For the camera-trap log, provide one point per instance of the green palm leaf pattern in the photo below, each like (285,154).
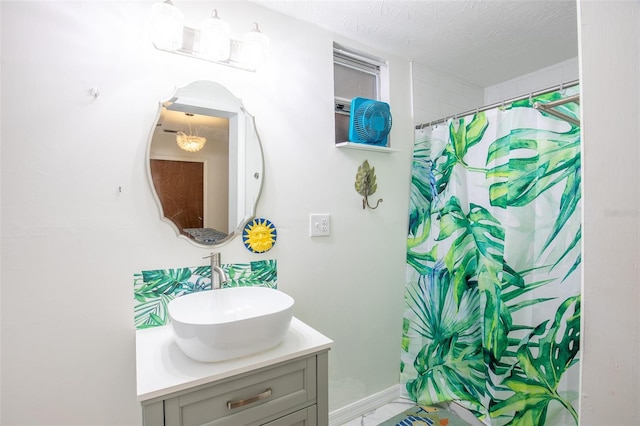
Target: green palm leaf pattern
(537,377)
(431,176)
(422,194)
(164,281)
(476,252)
(153,290)
(536,162)
(478,243)
(472,330)
(528,162)
(151,312)
(464,137)
(262,273)
(450,366)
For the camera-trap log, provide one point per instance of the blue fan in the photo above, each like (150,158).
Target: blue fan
(370,121)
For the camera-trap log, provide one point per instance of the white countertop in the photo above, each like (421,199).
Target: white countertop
(162,368)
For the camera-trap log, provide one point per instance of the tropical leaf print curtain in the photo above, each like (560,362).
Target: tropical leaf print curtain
(492,316)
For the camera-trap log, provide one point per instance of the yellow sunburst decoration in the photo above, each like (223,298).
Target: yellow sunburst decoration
(259,235)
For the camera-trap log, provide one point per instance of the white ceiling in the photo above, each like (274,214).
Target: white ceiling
(482,42)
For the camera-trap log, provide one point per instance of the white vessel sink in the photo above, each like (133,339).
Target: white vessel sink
(217,325)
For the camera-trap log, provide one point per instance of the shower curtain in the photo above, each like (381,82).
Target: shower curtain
(492,318)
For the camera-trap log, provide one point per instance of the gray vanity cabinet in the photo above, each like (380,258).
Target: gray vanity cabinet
(285,394)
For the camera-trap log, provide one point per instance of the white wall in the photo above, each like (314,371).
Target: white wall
(610,56)
(71,241)
(544,78)
(437,95)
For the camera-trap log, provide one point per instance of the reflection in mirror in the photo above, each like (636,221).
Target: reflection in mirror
(205,163)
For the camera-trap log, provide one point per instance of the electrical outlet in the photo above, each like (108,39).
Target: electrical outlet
(319,225)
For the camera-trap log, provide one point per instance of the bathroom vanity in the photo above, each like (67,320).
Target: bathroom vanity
(284,386)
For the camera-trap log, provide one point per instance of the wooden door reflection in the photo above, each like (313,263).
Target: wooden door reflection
(180,187)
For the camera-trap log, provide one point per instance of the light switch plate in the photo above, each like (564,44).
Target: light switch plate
(319,225)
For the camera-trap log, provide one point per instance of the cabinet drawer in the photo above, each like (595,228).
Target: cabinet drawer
(246,400)
(304,417)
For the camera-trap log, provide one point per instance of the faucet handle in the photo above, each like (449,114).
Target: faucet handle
(215,258)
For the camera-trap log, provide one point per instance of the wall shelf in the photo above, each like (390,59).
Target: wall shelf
(364,147)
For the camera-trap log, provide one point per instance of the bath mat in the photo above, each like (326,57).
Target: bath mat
(420,415)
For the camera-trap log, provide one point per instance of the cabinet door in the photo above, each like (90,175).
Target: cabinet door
(153,413)
(246,400)
(305,417)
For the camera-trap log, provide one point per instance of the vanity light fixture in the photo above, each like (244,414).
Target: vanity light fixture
(215,38)
(255,46)
(166,26)
(190,142)
(211,42)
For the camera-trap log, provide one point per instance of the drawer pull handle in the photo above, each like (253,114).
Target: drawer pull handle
(239,403)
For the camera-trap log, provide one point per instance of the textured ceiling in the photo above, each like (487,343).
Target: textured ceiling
(478,41)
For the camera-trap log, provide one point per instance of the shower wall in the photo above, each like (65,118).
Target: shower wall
(437,95)
(538,80)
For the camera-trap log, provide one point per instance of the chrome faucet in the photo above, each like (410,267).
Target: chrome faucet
(218,276)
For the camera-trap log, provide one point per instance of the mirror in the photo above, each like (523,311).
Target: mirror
(207,193)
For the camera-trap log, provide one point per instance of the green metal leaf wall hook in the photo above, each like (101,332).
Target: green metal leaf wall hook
(366,184)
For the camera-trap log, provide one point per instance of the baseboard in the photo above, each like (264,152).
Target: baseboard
(345,414)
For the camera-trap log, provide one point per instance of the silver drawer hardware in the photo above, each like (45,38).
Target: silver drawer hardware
(239,403)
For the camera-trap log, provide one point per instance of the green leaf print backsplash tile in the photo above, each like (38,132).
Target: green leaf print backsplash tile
(153,290)
(492,295)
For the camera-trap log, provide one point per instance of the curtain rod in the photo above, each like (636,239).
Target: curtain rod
(548,108)
(503,103)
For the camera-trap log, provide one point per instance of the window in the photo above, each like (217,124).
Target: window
(354,75)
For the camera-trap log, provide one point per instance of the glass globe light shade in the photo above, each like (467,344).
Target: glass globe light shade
(167,23)
(190,143)
(255,47)
(215,38)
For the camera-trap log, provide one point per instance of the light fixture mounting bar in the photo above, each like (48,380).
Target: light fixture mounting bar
(189,48)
